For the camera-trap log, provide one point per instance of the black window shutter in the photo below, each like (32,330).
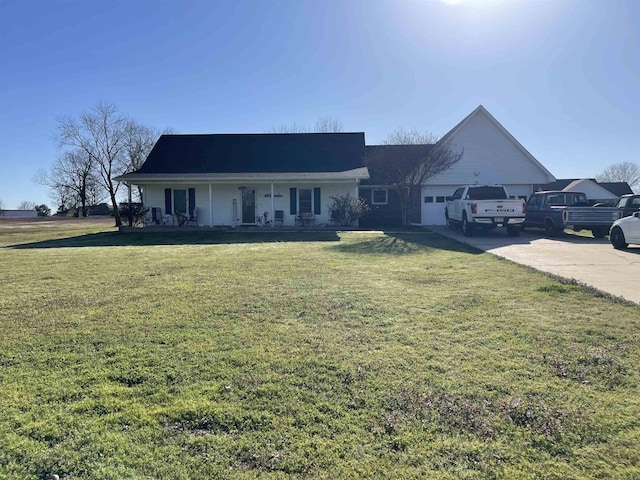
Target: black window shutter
(192,200)
(167,201)
(293,201)
(317,210)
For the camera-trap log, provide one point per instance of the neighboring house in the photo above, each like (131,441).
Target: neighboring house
(235,179)
(491,155)
(597,192)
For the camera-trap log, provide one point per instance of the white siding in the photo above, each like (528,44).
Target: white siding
(490,156)
(591,190)
(222,196)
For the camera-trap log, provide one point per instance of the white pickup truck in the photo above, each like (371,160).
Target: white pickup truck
(484,206)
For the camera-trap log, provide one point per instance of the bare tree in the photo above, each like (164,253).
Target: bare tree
(138,144)
(101,134)
(73,178)
(26,205)
(406,160)
(328,125)
(1,204)
(322,125)
(295,127)
(622,172)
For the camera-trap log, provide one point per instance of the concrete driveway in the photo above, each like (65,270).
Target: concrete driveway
(590,261)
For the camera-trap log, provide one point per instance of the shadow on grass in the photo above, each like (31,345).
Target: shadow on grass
(404,243)
(116,239)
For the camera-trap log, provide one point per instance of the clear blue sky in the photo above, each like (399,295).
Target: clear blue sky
(562,76)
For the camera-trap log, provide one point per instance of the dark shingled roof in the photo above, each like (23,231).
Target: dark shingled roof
(256,153)
(617,188)
(392,153)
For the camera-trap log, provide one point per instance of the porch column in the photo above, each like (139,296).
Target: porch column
(210,207)
(273,220)
(130,212)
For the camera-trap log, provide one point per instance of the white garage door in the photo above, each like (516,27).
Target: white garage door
(433,203)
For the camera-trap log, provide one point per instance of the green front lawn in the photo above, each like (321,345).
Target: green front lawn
(310,355)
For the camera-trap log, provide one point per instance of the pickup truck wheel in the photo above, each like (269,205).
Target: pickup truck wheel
(513,231)
(617,239)
(467,228)
(599,232)
(550,229)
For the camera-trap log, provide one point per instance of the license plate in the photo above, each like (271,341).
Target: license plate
(498,220)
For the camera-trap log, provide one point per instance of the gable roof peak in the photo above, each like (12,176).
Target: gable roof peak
(481,109)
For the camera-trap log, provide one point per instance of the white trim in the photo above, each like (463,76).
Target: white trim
(210,206)
(361,173)
(273,220)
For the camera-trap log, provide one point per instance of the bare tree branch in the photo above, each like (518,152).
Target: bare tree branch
(407,160)
(100,134)
(27,205)
(328,125)
(322,125)
(622,172)
(73,181)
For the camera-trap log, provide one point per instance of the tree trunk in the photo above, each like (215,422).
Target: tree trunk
(83,202)
(116,212)
(405,205)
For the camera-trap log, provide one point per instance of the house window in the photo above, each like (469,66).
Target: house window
(379,196)
(439,199)
(304,200)
(428,199)
(180,201)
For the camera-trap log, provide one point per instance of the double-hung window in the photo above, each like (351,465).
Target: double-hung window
(379,196)
(304,200)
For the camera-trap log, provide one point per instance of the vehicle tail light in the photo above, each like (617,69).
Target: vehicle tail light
(565,216)
(474,208)
(524,207)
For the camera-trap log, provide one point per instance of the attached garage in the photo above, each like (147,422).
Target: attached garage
(433,204)
(491,155)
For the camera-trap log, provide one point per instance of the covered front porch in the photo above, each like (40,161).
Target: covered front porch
(187,203)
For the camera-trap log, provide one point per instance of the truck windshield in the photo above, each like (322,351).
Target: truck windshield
(486,193)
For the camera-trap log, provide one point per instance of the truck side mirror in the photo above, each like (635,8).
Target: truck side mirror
(636,214)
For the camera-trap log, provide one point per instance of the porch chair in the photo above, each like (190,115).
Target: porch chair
(193,218)
(168,219)
(278,218)
(156,216)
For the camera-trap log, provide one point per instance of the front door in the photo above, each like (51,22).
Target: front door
(248,206)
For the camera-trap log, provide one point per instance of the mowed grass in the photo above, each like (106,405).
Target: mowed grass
(305,355)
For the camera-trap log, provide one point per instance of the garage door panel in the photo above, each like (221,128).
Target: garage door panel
(433,204)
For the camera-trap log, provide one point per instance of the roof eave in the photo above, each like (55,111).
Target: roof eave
(349,175)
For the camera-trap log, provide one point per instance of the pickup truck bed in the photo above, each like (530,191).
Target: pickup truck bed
(556,210)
